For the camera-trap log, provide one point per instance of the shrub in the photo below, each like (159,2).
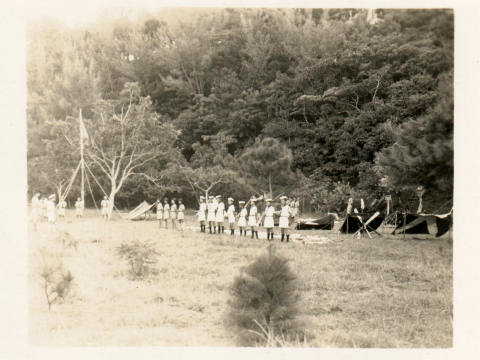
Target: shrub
(57,281)
(140,256)
(263,305)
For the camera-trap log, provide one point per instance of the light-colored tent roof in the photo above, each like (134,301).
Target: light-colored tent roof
(139,211)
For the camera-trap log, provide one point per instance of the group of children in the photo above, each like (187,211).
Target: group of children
(44,209)
(213,212)
(171,213)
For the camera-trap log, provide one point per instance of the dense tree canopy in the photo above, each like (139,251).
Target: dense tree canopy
(335,89)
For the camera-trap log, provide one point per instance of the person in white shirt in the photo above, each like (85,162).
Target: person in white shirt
(104,205)
(220,214)
(79,205)
(35,210)
(252,217)
(166,212)
(231,215)
(173,214)
(181,214)
(51,212)
(242,218)
(61,208)
(212,207)
(201,213)
(159,208)
(284,214)
(268,222)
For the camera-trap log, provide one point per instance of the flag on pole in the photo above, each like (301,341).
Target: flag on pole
(85,135)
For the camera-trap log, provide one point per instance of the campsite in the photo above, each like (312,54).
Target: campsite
(241,177)
(381,292)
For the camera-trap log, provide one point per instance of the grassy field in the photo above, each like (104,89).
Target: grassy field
(381,292)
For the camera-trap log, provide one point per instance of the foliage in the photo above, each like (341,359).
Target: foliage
(325,83)
(264,297)
(57,281)
(267,163)
(423,151)
(141,256)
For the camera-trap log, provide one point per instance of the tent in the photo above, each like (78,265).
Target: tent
(324,223)
(139,211)
(437,225)
(356,222)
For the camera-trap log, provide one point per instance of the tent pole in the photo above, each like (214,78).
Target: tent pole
(404,224)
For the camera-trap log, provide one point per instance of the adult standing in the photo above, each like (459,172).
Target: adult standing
(242,218)
(35,210)
(159,208)
(166,212)
(252,217)
(51,212)
(268,222)
(104,205)
(201,213)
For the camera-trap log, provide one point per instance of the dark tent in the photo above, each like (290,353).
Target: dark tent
(437,225)
(354,223)
(324,223)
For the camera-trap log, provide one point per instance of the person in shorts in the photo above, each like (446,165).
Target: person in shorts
(159,208)
(201,213)
(173,214)
(284,215)
(242,218)
(166,212)
(231,215)
(212,207)
(220,216)
(51,212)
(252,217)
(104,205)
(268,222)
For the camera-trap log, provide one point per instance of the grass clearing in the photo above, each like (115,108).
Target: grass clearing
(381,292)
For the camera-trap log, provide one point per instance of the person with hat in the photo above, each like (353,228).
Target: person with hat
(252,217)
(35,210)
(159,208)
(220,216)
(79,206)
(62,205)
(268,222)
(242,216)
(51,209)
(201,213)
(231,215)
(166,212)
(173,214)
(104,205)
(212,207)
(284,214)
(181,214)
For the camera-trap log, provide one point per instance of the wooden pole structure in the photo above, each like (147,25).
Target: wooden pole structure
(83,166)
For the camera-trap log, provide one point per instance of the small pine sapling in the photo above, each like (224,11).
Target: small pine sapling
(264,297)
(140,256)
(57,281)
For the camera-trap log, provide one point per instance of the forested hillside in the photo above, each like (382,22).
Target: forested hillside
(363,108)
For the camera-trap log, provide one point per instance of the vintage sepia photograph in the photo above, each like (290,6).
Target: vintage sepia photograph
(240,177)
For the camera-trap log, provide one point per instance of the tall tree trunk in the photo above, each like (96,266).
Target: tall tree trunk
(111,201)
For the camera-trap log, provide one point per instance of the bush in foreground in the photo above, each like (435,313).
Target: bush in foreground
(140,256)
(57,281)
(263,306)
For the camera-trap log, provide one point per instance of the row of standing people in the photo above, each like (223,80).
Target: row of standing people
(171,213)
(213,213)
(45,209)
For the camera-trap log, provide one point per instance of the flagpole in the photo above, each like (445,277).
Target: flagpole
(83,166)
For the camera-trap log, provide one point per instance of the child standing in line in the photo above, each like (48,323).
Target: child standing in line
(166,212)
(181,214)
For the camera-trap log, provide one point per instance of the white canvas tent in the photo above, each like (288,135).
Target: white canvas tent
(140,211)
